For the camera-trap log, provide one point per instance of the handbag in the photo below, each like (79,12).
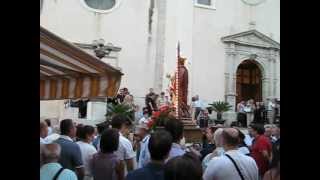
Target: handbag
(235,164)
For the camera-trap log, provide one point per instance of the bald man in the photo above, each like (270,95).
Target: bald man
(233,165)
(52,170)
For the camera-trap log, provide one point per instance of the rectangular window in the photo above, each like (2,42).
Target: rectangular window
(204,2)
(207,4)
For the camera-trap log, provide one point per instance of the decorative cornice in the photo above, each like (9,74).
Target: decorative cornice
(238,39)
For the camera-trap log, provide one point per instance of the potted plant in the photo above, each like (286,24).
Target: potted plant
(117,109)
(220,107)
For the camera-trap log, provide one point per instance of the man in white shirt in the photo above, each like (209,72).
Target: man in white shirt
(125,150)
(197,105)
(226,166)
(43,132)
(86,136)
(144,156)
(145,118)
(50,131)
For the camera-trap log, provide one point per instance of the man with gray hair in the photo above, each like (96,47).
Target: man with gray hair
(268,131)
(232,165)
(43,132)
(51,169)
(218,151)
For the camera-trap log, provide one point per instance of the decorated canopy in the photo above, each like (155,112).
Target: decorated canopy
(67,72)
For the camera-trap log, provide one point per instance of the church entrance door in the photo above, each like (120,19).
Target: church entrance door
(249,82)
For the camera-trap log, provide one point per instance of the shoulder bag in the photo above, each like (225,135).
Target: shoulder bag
(234,163)
(57,174)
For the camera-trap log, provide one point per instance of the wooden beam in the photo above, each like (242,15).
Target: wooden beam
(60,68)
(94,89)
(46,70)
(81,57)
(79,88)
(42,88)
(53,88)
(63,61)
(65,88)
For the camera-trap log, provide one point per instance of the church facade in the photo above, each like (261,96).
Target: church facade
(232,46)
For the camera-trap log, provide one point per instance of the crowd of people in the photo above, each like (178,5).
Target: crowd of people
(107,152)
(257,112)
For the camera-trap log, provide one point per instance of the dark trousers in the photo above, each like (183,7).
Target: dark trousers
(242,119)
(203,122)
(197,112)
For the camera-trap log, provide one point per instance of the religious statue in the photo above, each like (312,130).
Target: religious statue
(183,88)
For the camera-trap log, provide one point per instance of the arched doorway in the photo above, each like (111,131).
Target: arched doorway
(249,81)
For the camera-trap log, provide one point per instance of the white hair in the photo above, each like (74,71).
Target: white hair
(50,152)
(217,137)
(268,126)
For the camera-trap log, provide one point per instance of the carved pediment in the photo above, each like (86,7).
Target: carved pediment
(252,38)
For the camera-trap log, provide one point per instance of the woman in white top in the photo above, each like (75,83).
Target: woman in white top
(217,139)
(250,107)
(86,135)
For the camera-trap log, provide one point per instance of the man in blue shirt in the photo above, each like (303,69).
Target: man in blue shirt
(159,147)
(70,151)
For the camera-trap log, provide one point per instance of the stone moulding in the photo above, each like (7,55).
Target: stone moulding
(252,38)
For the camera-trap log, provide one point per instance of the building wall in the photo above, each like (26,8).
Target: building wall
(199,31)
(229,17)
(125,27)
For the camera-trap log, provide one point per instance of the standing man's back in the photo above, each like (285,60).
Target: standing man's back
(159,147)
(233,165)
(222,167)
(70,157)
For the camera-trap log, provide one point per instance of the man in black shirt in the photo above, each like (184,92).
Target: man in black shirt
(120,96)
(151,101)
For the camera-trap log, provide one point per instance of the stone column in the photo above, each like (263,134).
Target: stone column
(272,73)
(270,77)
(265,83)
(275,73)
(274,92)
(231,89)
(160,45)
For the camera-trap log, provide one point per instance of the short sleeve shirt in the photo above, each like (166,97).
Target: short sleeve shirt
(125,149)
(261,143)
(70,157)
(48,171)
(222,167)
(87,151)
(144,157)
(176,150)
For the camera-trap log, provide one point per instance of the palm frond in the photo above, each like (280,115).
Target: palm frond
(119,109)
(220,106)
